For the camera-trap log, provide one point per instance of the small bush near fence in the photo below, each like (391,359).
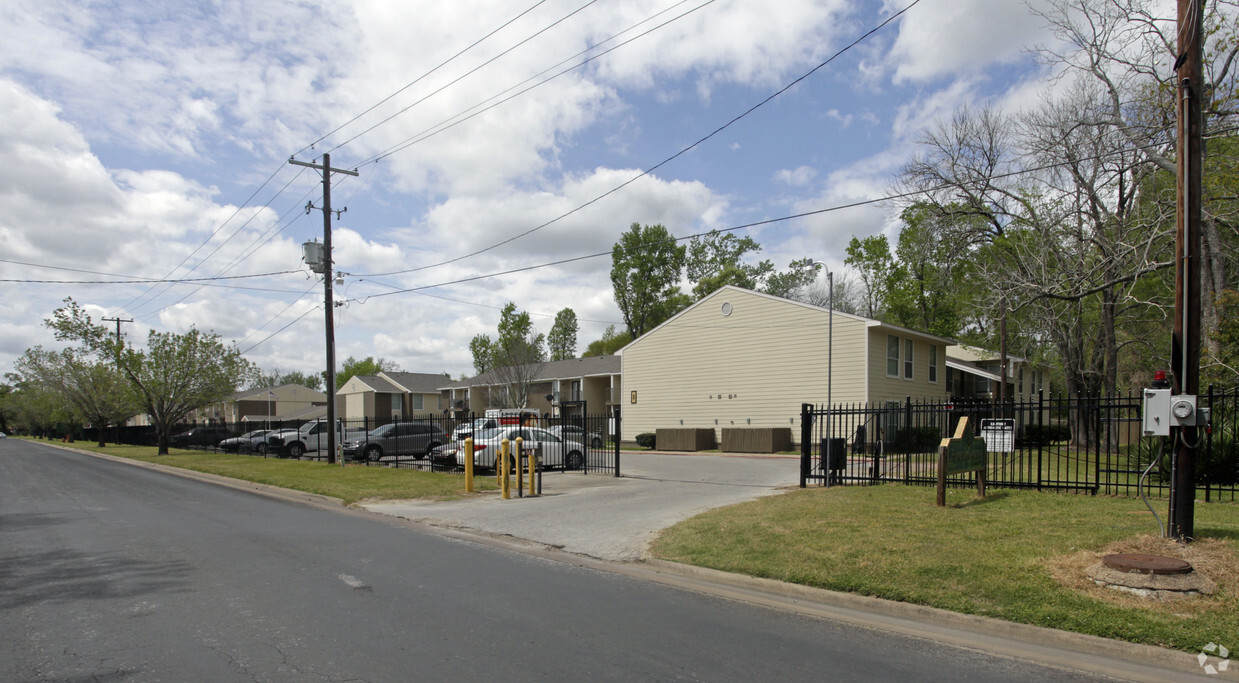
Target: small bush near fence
(916,440)
(646,440)
(1041,435)
(1219,466)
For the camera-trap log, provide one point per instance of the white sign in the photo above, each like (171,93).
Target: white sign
(999,435)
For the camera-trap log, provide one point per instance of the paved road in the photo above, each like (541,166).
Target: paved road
(110,572)
(607,517)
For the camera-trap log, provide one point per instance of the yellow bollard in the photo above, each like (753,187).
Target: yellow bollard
(505,477)
(520,488)
(469,465)
(533,467)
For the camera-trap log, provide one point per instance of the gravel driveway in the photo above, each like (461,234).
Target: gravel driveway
(608,517)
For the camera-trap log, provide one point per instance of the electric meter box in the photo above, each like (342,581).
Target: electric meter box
(1183,410)
(1157,412)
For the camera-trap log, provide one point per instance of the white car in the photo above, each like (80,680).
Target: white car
(466,429)
(554,451)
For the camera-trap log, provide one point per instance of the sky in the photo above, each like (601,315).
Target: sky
(150,141)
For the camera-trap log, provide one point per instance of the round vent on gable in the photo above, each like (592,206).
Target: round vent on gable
(726,308)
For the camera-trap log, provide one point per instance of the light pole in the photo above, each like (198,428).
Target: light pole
(830,351)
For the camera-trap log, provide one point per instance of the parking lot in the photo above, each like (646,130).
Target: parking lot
(607,517)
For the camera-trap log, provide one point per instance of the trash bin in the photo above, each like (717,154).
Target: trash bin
(834,455)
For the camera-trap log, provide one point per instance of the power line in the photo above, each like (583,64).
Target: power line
(448,123)
(467,73)
(669,159)
(418,79)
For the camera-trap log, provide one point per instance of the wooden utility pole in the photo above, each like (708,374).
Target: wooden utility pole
(118,321)
(1185,343)
(328,299)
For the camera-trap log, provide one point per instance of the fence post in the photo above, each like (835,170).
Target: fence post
(806,442)
(616,439)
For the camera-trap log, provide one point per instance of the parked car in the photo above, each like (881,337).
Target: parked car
(466,429)
(309,438)
(576,433)
(396,439)
(554,451)
(199,436)
(249,442)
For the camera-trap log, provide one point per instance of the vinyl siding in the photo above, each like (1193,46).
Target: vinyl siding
(754,367)
(885,388)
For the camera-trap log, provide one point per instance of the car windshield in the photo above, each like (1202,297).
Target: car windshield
(256,432)
(488,433)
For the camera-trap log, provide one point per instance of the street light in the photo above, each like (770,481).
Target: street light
(830,351)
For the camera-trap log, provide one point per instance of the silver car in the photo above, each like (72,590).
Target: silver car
(576,433)
(553,450)
(395,440)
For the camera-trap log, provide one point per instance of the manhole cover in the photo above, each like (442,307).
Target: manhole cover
(1141,563)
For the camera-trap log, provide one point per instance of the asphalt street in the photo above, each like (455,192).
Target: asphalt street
(110,572)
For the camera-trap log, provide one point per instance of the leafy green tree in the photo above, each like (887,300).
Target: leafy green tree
(364,367)
(645,271)
(790,283)
(515,357)
(93,390)
(611,342)
(716,259)
(276,378)
(871,259)
(562,339)
(179,373)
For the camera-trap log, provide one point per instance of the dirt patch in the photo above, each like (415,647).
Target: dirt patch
(1213,558)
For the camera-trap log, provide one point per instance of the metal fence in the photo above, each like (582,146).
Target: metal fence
(403,443)
(1090,445)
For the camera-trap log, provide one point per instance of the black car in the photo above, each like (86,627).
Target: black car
(200,436)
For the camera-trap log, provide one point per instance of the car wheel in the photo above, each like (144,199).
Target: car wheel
(596,443)
(373,453)
(261,449)
(296,450)
(574,461)
(426,453)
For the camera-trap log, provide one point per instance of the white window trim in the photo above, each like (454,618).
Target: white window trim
(909,370)
(897,359)
(933,363)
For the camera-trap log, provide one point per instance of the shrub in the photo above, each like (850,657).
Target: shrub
(1221,466)
(646,440)
(1042,435)
(916,440)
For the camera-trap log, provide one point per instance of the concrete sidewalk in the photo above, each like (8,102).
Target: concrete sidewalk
(611,518)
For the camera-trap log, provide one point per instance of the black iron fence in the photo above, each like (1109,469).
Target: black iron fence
(1092,445)
(577,443)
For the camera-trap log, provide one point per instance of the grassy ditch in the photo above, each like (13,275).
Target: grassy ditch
(1017,555)
(350,483)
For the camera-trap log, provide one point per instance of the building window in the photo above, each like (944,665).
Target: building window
(892,355)
(419,402)
(907,360)
(933,363)
(1020,389)
(397,404)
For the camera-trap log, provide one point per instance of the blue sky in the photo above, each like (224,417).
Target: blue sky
(136,133)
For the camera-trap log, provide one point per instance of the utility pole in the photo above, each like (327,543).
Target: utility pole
(118,321)
(329,301)
(1185,342)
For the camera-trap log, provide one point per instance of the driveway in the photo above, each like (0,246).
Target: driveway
(607,517)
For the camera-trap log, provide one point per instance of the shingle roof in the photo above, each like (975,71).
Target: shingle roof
(558,369)
(418,382)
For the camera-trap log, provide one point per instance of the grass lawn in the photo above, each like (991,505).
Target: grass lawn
(350,483)
(1017,555)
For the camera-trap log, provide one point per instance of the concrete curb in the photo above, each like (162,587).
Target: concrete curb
(1163,661)
(314,499)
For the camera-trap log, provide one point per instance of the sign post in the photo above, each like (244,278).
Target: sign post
(958,454)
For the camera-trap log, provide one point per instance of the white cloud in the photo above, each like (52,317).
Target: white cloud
(797,177)
(944,39)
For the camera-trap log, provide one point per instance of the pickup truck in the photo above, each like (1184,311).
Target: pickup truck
(311,437)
